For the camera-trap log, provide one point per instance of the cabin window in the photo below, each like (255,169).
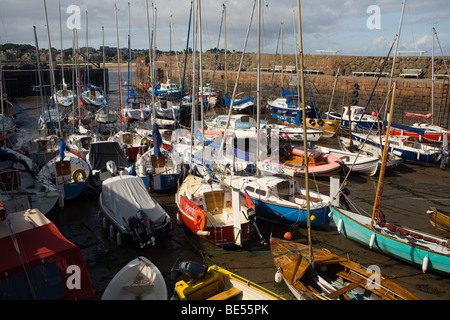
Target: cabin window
(251,189)
(261,192)
(283,190)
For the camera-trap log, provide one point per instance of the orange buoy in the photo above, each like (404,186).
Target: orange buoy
(288,236)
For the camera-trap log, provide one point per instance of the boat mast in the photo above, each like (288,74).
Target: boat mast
(129,50)
(201,79)
(258,85)
(194,91)
(225,38)
(233,97)
(432,74)
(62,54)
(38,63)
(395,55)
(118,68)
(78,75)
(87,49)
(52,75)
(305,143)
(376,206)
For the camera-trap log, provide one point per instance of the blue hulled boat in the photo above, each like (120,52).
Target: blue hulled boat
(282,200)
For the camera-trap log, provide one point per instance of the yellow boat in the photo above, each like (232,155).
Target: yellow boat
(216,283)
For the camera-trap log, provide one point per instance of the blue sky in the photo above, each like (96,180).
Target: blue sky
(327,24)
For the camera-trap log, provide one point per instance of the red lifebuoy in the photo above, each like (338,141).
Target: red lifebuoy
(200,219)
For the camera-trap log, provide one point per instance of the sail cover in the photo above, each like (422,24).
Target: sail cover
(102,152)
(46,266)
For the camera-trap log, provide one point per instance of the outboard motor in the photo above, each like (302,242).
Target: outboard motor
(111,167)
(252,217)
(190,269)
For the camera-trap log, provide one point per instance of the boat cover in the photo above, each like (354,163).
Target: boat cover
(51,261)
(101,152)
(126,196)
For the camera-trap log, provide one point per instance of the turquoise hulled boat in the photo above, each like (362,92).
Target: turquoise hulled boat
(430,252)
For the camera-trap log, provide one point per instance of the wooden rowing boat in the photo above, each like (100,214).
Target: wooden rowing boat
(331,277)
(439,218)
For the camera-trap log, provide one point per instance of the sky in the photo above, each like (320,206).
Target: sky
(348,27)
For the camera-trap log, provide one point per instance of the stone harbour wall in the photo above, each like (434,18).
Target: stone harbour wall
(412,94)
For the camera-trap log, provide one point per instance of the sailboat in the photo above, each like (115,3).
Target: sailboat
(282,200)
(425,131)
(105,114)
(415,247)
(136,108)
(331,277)
(313,274)
(68,172)
(210,209)
(20,189)
(158,167)
(64,96)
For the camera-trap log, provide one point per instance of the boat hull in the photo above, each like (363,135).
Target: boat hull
(356,228)
(220,235)
(291,215)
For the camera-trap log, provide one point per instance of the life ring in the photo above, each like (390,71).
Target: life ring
(144,141)
(200,219)
(312,122)
(76,173)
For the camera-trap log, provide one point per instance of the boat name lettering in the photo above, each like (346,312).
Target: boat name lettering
(275,169)
(189,207)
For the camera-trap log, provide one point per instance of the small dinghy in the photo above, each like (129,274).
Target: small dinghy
(216,283)
(363,164)
(291,163)
(140,279)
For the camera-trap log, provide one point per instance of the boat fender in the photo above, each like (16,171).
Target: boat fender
(372,240)
(179,219)
(76,175)
(200,219)
(61,200)
(355,93)
(203,233)
(321,122)
(339,226)
(104,223)
(278,277)
(425,264)
(118,238)
(356,86)
(312,122)
(111,231)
